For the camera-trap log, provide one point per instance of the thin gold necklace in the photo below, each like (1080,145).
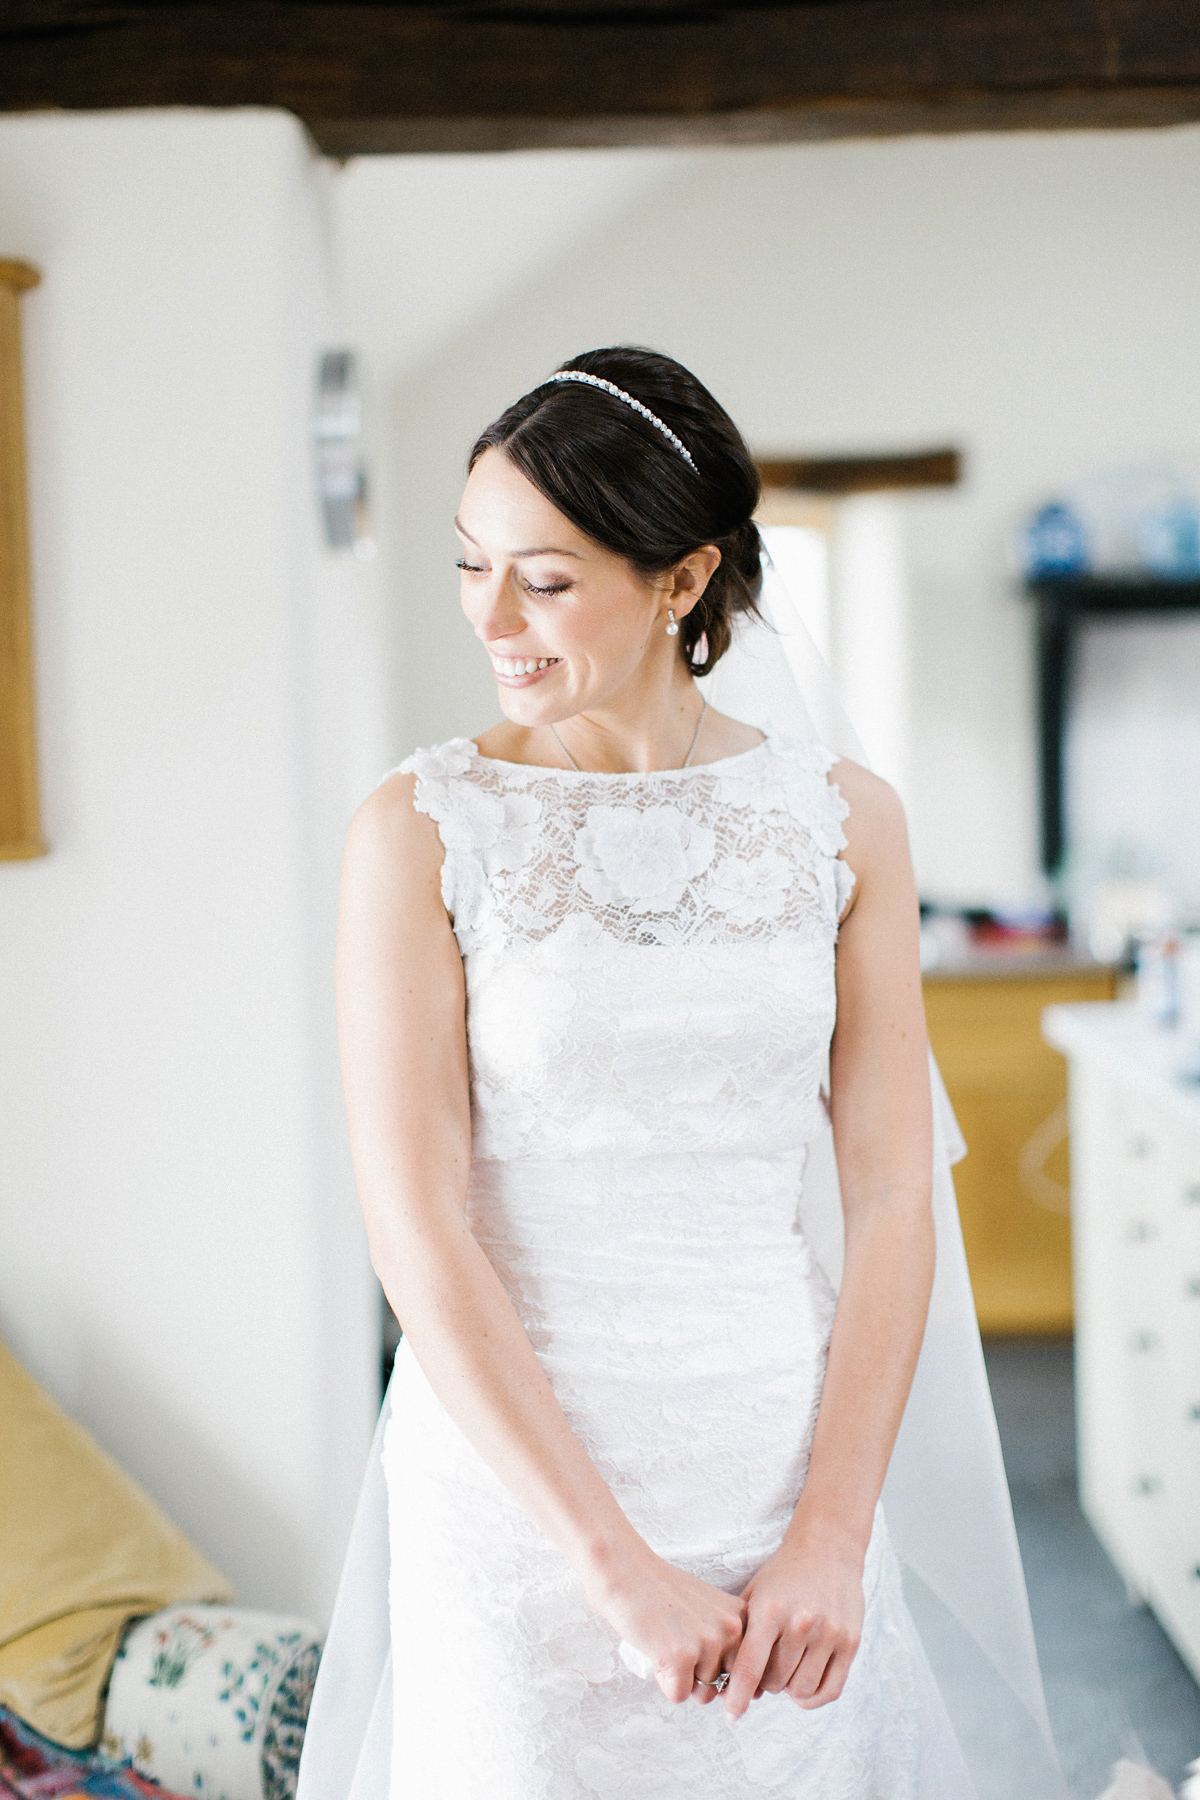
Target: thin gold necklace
(687,759)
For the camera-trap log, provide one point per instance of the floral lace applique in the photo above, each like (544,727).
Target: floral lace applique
(671,856)
(641,857)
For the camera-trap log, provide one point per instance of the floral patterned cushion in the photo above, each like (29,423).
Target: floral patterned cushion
(212,1701)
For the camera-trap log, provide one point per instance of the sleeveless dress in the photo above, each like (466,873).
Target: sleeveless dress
(650,997)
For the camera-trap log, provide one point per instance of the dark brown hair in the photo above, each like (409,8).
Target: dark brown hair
(619,480)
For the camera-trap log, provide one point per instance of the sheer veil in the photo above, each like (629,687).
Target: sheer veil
(946,1497)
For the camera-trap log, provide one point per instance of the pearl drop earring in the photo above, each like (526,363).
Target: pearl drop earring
(672,627)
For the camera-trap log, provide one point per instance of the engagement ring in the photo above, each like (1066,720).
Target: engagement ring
(721,1683)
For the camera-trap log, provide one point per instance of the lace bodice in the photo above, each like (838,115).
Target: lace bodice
(565,889)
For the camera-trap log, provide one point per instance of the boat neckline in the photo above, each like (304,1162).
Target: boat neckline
(719,762)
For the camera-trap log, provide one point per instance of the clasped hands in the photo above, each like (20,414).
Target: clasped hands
(794,1628)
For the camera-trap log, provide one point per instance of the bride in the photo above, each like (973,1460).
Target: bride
(605,974)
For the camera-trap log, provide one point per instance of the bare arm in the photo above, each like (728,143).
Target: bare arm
(883,1133)
(401,1023)
(805,1605)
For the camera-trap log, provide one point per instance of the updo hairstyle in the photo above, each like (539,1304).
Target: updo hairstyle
(622,483)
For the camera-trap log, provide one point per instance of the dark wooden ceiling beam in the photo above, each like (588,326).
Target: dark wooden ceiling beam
(862,474)
(374,77)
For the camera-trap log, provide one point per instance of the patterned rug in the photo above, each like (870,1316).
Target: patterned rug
(32,1768)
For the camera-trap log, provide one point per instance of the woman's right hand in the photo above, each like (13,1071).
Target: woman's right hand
(686,1628)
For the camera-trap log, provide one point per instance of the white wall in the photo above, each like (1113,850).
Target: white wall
(1029,298)
(429,246)
(182,1260)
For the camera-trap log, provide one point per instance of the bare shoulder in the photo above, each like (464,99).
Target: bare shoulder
(874,803)
(875,827)
(724,736)
(391,842)
(399,973)
(505,742)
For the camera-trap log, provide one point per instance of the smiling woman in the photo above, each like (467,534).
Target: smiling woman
(601,467)
(565,624)
(592,560)
(593,967)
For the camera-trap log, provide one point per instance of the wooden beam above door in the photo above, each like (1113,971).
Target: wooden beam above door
(488,75)
(862,474)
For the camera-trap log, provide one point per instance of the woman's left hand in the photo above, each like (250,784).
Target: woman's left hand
(803,1624)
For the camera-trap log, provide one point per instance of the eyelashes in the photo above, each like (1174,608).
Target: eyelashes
(545,593)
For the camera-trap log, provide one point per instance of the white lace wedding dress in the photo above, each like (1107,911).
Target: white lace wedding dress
(650,979)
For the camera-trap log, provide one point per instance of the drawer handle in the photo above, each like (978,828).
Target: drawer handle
(1032,1158)
(1147,1484)
(1193,1413)
(1139,1231)
(1191,1194)
(1140,1146)
(1192,1288)
(1142,1343)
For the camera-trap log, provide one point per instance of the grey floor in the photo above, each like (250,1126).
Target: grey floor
(1114,1684)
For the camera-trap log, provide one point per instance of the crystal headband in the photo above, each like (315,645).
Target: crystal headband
(610,387)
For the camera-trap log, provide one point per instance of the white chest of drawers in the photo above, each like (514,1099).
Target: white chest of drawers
(1135,1220)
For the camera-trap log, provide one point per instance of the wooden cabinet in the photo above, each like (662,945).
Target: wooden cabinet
(1009,1091)
(1135,1203)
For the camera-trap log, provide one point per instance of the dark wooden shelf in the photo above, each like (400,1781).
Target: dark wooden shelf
(1114,593)
(1063,602)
